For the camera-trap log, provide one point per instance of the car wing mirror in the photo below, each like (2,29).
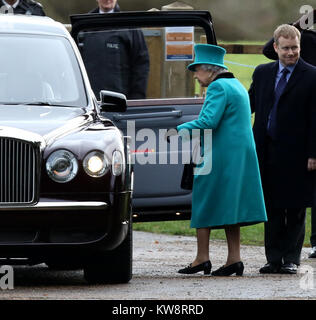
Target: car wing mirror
(112,101)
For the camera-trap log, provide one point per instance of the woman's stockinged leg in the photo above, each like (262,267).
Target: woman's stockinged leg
(233,243)
(233,264)
(201,262)
(203,244)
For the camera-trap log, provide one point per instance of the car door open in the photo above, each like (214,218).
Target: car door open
(144,56)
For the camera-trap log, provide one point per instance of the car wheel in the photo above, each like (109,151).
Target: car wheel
(114,266)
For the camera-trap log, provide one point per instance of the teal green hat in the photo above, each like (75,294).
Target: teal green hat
(208,54)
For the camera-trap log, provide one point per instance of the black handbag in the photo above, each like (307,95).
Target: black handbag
(187,176)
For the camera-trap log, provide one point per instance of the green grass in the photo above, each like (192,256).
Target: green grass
(248,62)
(251,235)
(244,73)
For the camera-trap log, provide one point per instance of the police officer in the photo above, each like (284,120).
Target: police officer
(116,60)
(28,7)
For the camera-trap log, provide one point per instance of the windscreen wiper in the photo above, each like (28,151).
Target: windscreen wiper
(35,103)
(43,103)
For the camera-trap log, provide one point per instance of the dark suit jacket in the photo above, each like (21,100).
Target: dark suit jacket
(296,132)
(28,7)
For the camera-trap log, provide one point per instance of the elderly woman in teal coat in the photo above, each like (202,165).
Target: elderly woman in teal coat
(230,195)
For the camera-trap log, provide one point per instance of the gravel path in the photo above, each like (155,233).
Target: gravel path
(169,253)
(156,261)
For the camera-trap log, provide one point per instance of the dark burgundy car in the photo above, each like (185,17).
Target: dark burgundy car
(65,182)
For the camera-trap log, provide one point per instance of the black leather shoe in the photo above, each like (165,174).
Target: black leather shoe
(223,271)
(270,268)
(205,266)
(312,253)
(288,268)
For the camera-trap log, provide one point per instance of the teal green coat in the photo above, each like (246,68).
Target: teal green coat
(231,193)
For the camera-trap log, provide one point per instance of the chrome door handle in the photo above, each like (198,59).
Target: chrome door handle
(146,115)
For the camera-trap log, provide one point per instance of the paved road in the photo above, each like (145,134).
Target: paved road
(156,260)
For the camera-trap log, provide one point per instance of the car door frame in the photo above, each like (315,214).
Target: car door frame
(120,20)
(139,19)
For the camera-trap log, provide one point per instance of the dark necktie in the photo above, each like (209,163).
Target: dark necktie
(277,94)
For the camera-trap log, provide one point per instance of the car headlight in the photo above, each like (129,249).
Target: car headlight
(117,163)
(95,164)
(62,166)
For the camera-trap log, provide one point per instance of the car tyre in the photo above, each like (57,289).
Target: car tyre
(114,266)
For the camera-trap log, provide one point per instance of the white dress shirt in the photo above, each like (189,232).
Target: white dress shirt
(13,6)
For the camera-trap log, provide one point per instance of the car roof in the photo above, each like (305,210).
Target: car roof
(28,24)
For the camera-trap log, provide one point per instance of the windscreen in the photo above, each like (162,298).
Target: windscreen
(39,69)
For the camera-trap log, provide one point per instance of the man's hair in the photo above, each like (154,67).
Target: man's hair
(286,31)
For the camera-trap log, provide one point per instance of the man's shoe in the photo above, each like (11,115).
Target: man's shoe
(288,268)
(312,253)
(270,268)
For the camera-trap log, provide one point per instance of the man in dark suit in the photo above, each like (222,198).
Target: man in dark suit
(308,53)
(283,97)
(28,7)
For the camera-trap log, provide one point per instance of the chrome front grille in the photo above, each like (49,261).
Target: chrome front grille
(17,171)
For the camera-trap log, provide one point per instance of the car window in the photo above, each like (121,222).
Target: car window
(37,69)
(147,63)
